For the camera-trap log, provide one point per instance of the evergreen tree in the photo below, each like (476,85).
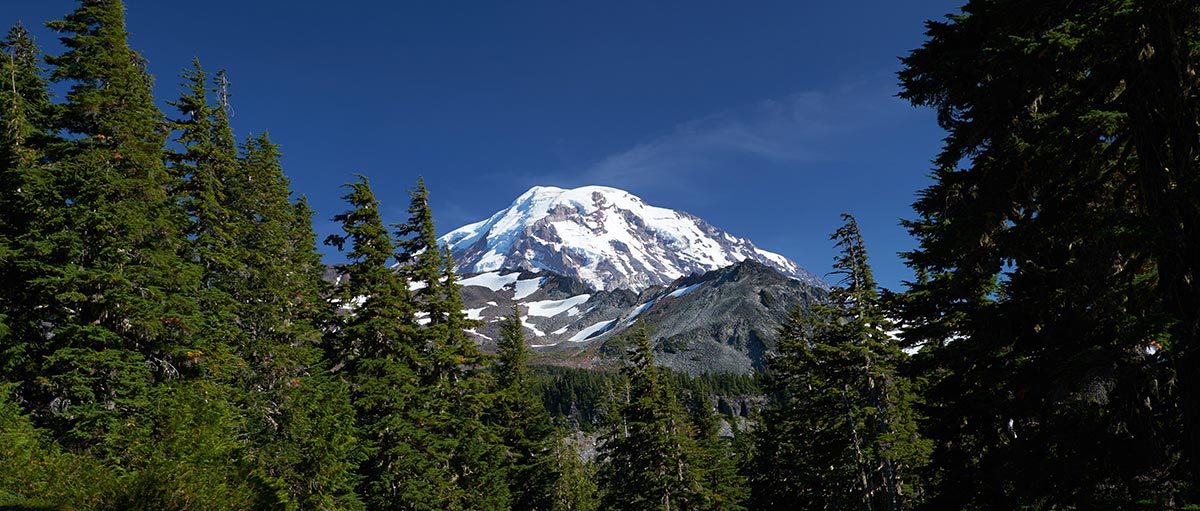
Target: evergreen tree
(376,344)
(575,487)
(277,284)
(723,488)
(201,172)
(525,427)
(841,431)
(453,398)
(36,474)
(30,210)
(647,455)
(430,271)
(1058,248)
(194,459)
(25,105)
(121,301)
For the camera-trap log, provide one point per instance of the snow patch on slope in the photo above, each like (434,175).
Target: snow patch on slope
(683,290)
(490,280)
(584,334)
(551,308)
(524,288)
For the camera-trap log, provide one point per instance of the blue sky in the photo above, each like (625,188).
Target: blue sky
(768,119)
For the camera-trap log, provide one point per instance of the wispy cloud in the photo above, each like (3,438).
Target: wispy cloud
(797,128)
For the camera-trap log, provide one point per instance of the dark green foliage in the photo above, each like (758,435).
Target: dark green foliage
(25,104)
(525,428)
(260,301)
(722,487)
(1058,254)
(35,472)
(118,293)
(452,398)
(376,342)
(577,394)
(841,430)
(648,456)
(189,455)
(29,207)
(420,405)
(161,320)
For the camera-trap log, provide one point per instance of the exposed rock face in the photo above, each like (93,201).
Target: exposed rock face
(722,321)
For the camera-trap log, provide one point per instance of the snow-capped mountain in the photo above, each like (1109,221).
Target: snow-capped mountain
(604,237)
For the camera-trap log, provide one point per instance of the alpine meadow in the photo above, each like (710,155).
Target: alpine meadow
(180,330)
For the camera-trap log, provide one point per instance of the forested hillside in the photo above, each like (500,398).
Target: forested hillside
(167,340)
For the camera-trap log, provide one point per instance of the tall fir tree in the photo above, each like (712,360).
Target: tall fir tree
(201,171)
(575,487)
(722,486)
(123,299)
(454,395)
(841,431)
(303,435)
(525,427)
(1058,248)
(648,451)
(376,344)
(30,209)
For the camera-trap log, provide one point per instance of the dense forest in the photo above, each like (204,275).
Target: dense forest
(167,340)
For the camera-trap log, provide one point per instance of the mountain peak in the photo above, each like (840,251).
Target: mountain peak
(603,236)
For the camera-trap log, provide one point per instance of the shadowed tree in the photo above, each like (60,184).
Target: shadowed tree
(1058,250)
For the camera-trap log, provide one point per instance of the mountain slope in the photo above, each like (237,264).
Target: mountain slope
(722,321)
(604,237)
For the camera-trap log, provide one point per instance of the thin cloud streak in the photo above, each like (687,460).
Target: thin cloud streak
(795,129)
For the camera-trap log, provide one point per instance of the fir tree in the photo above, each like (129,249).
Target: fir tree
(376,344)
(277,284)
(575,487)
(1058,245)
(25,106)
(525,427)
(453,398)
(30,209)
(202,170)
(122,297)
(647,458)
(723,488)
(842,429)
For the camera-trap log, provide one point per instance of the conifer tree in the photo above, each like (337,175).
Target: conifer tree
(575,487)
(430,271)
(298,410)
(647,456)
(30,212)
(25,105)
(377,345)
(1058,246)
(841,431)
(525,427)
(723,488)
(122,298)
(202,171)
(36,474)
(453,397)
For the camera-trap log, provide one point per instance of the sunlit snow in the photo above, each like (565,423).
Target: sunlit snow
(524,288)
(683,291)
(551,308)
(583,335)
(491,280)
(609,236)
